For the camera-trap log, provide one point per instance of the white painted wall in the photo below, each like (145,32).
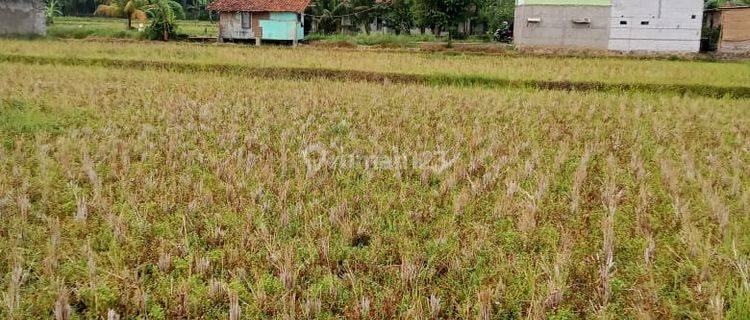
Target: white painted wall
(672,25)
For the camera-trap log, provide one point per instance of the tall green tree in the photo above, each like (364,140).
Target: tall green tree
(78,7)
(399,16)
(326,14)
(197,8)
(441,15)
(364,12)
(494,12)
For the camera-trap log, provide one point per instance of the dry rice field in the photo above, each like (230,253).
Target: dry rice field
(163,181)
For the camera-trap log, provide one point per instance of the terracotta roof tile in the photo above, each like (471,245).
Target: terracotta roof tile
(259,5)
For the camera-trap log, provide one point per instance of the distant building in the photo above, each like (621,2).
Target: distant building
(562,23)
(656,25)
(260,19)
(22,17)
(619,25)
(732,27)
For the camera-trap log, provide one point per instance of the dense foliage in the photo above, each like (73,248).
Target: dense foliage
(164,15)
(719,3)
(194,9)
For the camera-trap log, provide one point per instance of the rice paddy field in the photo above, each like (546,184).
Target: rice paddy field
(164,181)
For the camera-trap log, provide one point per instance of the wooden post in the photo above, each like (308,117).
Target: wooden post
(294,34)
(257,40)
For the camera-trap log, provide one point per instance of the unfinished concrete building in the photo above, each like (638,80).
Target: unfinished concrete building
(656,25)
(562,23)
(22,17)
(619,25)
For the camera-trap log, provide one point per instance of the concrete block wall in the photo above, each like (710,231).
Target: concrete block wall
(656,25)
(556,27)
(22,17)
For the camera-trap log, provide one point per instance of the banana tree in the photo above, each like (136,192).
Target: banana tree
(164,14)
(52,10)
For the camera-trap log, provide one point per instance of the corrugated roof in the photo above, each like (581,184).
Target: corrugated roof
(259,5)
(566,2)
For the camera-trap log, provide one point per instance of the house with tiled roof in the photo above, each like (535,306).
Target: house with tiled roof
(279,20)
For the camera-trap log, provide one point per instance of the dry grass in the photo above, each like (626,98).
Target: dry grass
(296,73)
(164,195)
(607,70)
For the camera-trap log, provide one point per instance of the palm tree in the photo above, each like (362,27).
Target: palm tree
(129,9)
(327,14)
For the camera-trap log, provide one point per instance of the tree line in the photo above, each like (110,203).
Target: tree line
(194,9)
(334,16)
(404,15)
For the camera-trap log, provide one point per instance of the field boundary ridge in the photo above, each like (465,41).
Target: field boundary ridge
(301,73)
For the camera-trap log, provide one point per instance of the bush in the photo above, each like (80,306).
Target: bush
(158,30)
(374,39)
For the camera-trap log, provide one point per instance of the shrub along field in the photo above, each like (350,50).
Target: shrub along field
(160,193)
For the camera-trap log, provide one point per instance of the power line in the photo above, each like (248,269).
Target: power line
(344,15)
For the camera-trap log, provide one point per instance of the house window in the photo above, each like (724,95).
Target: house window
(623,22)
(246,20)
(644,23)
(694,16)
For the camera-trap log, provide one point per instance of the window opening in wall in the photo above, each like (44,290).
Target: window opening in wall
(623,22)
(644,23)
(246,20)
